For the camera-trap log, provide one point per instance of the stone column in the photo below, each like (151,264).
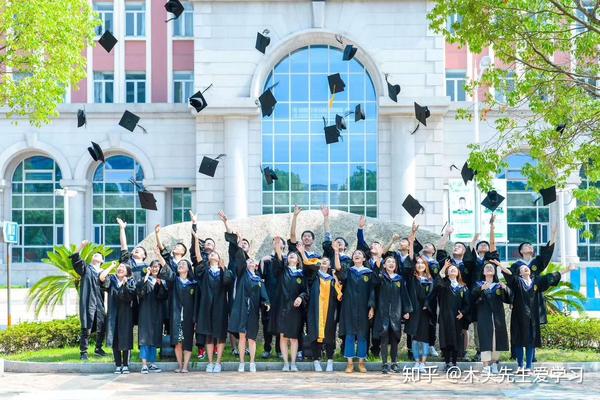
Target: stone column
(402,166)
(77,214)
(570,234)
(236,166)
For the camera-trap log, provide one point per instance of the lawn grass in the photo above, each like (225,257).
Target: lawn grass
(71,355)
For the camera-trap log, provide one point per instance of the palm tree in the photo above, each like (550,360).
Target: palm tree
(51,290)
(561,299)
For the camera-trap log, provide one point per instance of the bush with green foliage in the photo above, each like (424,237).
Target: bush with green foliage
(569,333)
(31,336)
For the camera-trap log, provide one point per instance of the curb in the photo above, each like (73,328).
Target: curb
(107,368)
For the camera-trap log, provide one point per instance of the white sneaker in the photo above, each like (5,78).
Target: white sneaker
(417,365)
(241,367)
(318,366)
(144,369)
(217,368)
(125,370)
(494,368)
(422,367)
(433,352)
(486,371)
(293,368)
(210,367)
(118,371)
(329,366)
(252,367)
(286,367)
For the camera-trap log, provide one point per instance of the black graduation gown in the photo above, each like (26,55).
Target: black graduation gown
(212,310)
(138,271)
(250,293)
(489,308)
(421,320)
(466,266)
(392,303)
(525,317)
(236,256)
(450,301)
(91,297)
(182,305)
(358,288)
(285,318)
(316,304)
(152,299)
(119,324)
(270,280)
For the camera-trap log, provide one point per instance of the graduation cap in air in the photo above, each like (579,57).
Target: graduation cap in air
(349,50)
(492,200)
(174,7)
(421,114)
(393,90)
(548,195)
(96,152)
(359,113)
(147,200)
(262,40)
(269,174)
(198,101)
(208,166)
(561,128)
(107,41)
(466,172)
(332,133)
(340,121)
(81,119)
(267,101)
(336,85)
(412,206)
(129,121)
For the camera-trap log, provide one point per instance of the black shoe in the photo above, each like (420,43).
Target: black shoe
(266,354)
(534,359)
(100,352)
(385,369)
(84,357)
(299,356)
(447,367)
(395,368)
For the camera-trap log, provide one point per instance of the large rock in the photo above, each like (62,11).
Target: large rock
(261,229)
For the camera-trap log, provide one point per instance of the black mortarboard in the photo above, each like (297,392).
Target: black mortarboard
(332,133)
(358,113)
(548,195)
(340,122)
(336,84)
(108,41)
(422,113)
(174,7)
(393,90)
(96,152)
(129,121)
(466,173)
(198,101)
(412,205)
(147,200)
(81,119)
(267,101)
(208,166)
(561,128)
(492,200)
(269,174)
(349,52)
(262,41)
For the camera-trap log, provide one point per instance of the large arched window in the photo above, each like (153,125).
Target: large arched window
(311,172)
(36,208)
(589,249)
(527,220)
(114,196)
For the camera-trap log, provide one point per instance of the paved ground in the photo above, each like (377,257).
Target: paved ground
(272,385)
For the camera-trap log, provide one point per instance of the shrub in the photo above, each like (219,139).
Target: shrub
(571,333)
(31,336)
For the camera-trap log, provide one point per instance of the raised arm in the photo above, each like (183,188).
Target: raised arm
(297,211)
(360,234)
(325,212)
(492,233)
(473,244)
(197,253)
(78,263)
(104,273)
(447,264)
(395,238)
(122,234)
(157,235)
(223,218)
(445,238)
(411,241)
(336,257)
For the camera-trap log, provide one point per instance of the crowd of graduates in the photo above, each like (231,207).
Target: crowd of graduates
(307,302)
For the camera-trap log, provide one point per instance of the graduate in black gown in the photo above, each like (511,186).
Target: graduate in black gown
(119,321)
(391,307)
(152,294)
(358,302)
(269,277)
(288,318)
(212,309)
(525,320)
(91,301)
(182,309)
(250,293)
(488,297)
(453,309)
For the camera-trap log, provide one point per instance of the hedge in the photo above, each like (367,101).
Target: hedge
(31,336)
(569,333)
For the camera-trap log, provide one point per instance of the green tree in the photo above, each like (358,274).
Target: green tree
(42,45)
(551,47)
(51,290)
(562,298)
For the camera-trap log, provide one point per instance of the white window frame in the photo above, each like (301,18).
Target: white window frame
(136,82)
(500,93)
(101,82)
(185,20)
(454,81)
(451,20)
(138,12)
(184,85)
(104,10)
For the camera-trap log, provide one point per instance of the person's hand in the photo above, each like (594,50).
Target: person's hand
(449,230)
(362,222)
(147,272)
(503,285)
(278,244)
(83,244)
(485,286)
(297,210)
(112,266)
(415,227)
(336,246)
(195,234)
(297,302)
(157,229)
(222,216)
(122,224)
(447,264)
(300,247)
(325,211)
(371,313)
(406,316)
(495,262)
(459,316)
(266,258)
(193,217)
(395,237)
